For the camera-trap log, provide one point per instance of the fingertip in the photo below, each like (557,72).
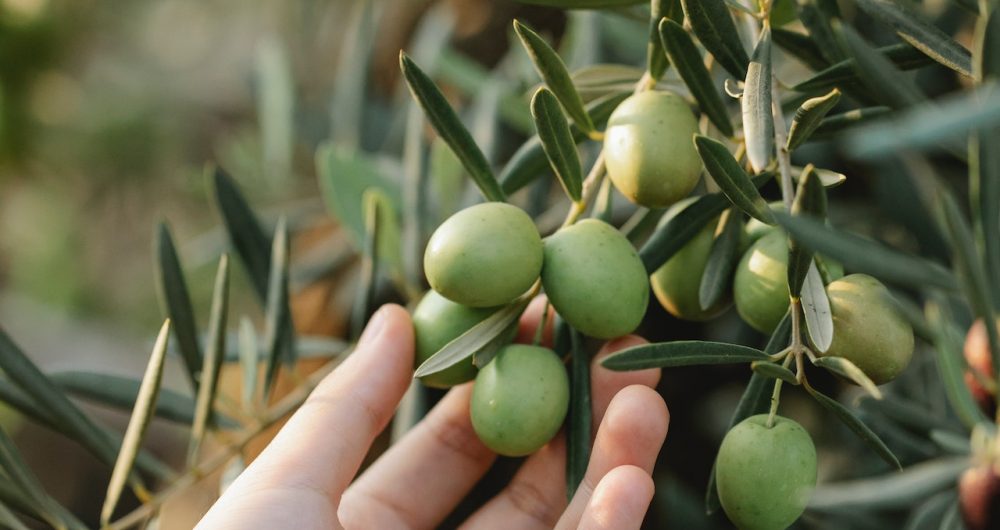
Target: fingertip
(620,500)
(636,424)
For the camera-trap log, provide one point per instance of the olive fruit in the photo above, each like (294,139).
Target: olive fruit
(756,229)
(649,149)
(436,322)
(979,498)
(677,282)
(485,255)
(520,399)
(760,286)
(867,328)
(595,279)
(977,356)
(765,476)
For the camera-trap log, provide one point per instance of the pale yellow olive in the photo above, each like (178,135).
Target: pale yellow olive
(520,399)
(649,149)
(485,255)
(594,278)
(436,322)
(867,328)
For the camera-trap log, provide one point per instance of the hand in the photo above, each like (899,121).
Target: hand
(303,479)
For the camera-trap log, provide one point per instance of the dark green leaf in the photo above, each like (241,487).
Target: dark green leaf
(809,116)
(681,353)
(985,174)
(557,141)
(656,59)
(886,83)
(214,352)
(839,122)
(758,122)
(892,490)
(448,125)
(847,369)
(714,27)
(864,255)
(554,73)
(774,371)
(856,425)
(734,182)
(722,259)
(810,200)
(986,47)
(23,478)
(145,402)
(244,230)
(579,430)
(816,20)
(950,364)
(479,336)
(177,302)
(687,60)
(800,46)
(904,56)
(278,316)
(920,33)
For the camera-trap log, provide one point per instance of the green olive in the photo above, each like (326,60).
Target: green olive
(867,328)
(485,255)
(760,286)
(765,476)
(436,322)
(756,229)
(649,149)
(595,279)
(677,282)
(520,399)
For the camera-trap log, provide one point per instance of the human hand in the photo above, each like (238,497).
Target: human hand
(303,479)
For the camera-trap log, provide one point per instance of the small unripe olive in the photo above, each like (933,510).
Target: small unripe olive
(677,282)
(436,322)
(979,498)
(977,356)
(485,255)
(760,286)
(649,149)
(867,328)
(594,278)
(765,476)
(520,399)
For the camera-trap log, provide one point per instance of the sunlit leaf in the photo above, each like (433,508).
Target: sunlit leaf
(681,353)
(846,368)
(249,361)
(758,122)
(557,142)
(214,352)
(816,309)
(468,343)
(713,25)
(808,118)
(686,58)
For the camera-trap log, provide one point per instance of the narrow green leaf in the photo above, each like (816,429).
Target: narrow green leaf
(656,59)
(557,141)
(801,47)
(278,321)
(713,25)
(810,200)
(829,179)
(176,301)
(367,283)
(817,22)
(415,192)
(216,346)
(687,60)
(579,421)
(920,33)
(758,123)
(886,83)
(9,520)
(275,89)
(529,161)
(145,403)
(816,309)
(843,73)
(478,337)
(986,44)
(774,371)
(864,255)
(553,71)
(244,230)
(121,392)
(950,364)
(857,426)
(681,353)
(734,182)
(986,183)
(24,479)
(839,122)
(249,361)
(846,368)
(722,259)
(18,501)
(448,125)
(891,490)
(808,117)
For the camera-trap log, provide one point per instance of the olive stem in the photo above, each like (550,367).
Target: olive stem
(542,322)
(776,395)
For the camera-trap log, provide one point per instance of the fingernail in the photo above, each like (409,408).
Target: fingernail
(374,327)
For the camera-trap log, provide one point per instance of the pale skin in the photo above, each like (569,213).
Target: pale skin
(308,476)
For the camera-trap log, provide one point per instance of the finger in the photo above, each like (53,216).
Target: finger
(528,325)
(631,433)
(536,496)
(420,480)
(619,501)
(321,447)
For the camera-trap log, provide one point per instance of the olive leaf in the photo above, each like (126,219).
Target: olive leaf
(896,490)
(278,315)
(864,255)
(659,10)
(245,232)
(816,309)
(19,473)
(557,141)
(554,73)
(734,182)
(176,301)
(919,33)
(713,25)
(886,83)
(681,353)
(843,73)
(986,179)
(808,118)
(818,23)
(249,361)
(687,60)
(829,179)
(145,402)
(344,174)
(857,426)
(758,123)
(214,352)
(476,338)
(722,259)
(839,122)
(450,128)
(810,200)
(774,371)
(800,46)
(848,369)
(580,414)
(950,365)
(986,45)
